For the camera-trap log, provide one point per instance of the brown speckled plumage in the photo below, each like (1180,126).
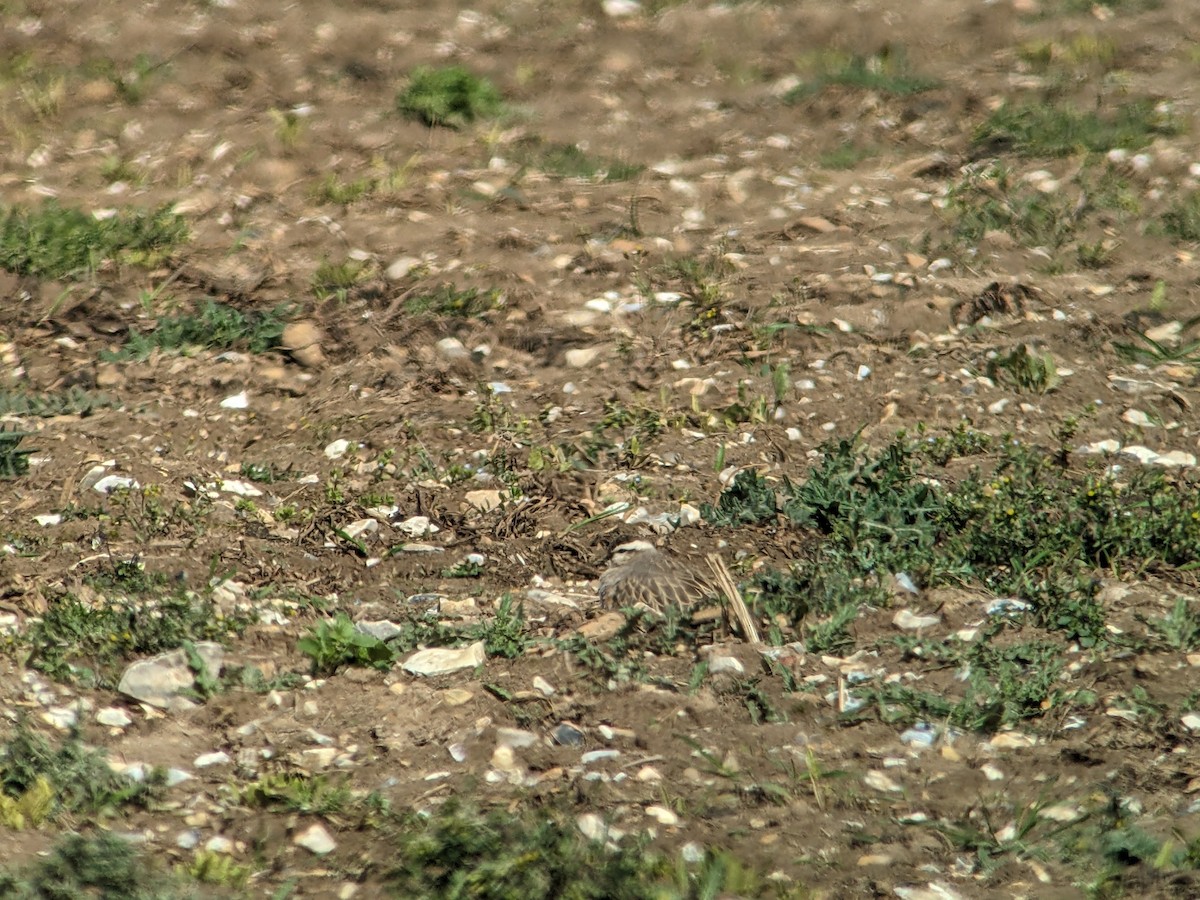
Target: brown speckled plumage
(641,574)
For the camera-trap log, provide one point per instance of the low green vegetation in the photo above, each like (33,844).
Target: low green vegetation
(334,643)
(1144,349)
(213,326)
(101,865)
(1020,524)
(450,96)
(14,459)
(995,200)
(88,643)
(846,156)
(887,72)
(570,161)
(450,300)
(1182,220)
(40,781)
(459,853)
(338,281)
(53,241)
(337,642)
(74,401)
(1057,129)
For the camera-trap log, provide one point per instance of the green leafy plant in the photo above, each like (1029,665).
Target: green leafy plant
(102,865)
(569,161)
(53,241)
(309,794)
(749,499)
(338,281)
(214,325)
(1182,220)
(331,644)
(450,96)
(79,776)
(449,300)
(887,72)
(1053,129)
(459,853)
(87,642)
(14,460)
(1024,370)
(1150,352)
(74,401)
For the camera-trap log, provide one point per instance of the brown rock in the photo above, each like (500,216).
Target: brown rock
(604,628)
(302,340)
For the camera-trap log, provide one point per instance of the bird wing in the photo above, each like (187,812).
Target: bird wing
(653,582)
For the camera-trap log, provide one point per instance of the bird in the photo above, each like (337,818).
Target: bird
(640,574)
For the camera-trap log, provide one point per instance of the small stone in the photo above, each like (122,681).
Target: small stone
(161,679)
(567,735)
(909,621)
(216,758)
(542,686)
(64,718)
(456,696)
(453,350)
(110,483)
(582,357)
(619,8)
(401,267)
(381,629)
(692,853)
(881,782)
(515,738)
(418,526)
(484,500)
(594,828)
(316,758)
(730,664)
(188,840)
(236,401)
(876,859)
(1175,459)
(599,756)
(1142,454)
(649,773)
(1061,812)
(1191,721)
(458,752)
(315,839)
(359,527)
(442,660)
(504,759)
(1011,740)
(662,815)
(219,844)
(991,773)
(816,224)
(1137,418)
(113,717)
(602,628)
(1166,333)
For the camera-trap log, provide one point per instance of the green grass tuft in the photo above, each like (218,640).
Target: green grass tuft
(1049,129)
(450,96)
(63,242)
(214,325)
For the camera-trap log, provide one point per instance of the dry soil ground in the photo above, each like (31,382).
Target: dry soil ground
(695,239)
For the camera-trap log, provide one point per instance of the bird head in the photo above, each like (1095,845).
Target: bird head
(626,553)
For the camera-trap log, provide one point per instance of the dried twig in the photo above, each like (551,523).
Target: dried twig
(725,582)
